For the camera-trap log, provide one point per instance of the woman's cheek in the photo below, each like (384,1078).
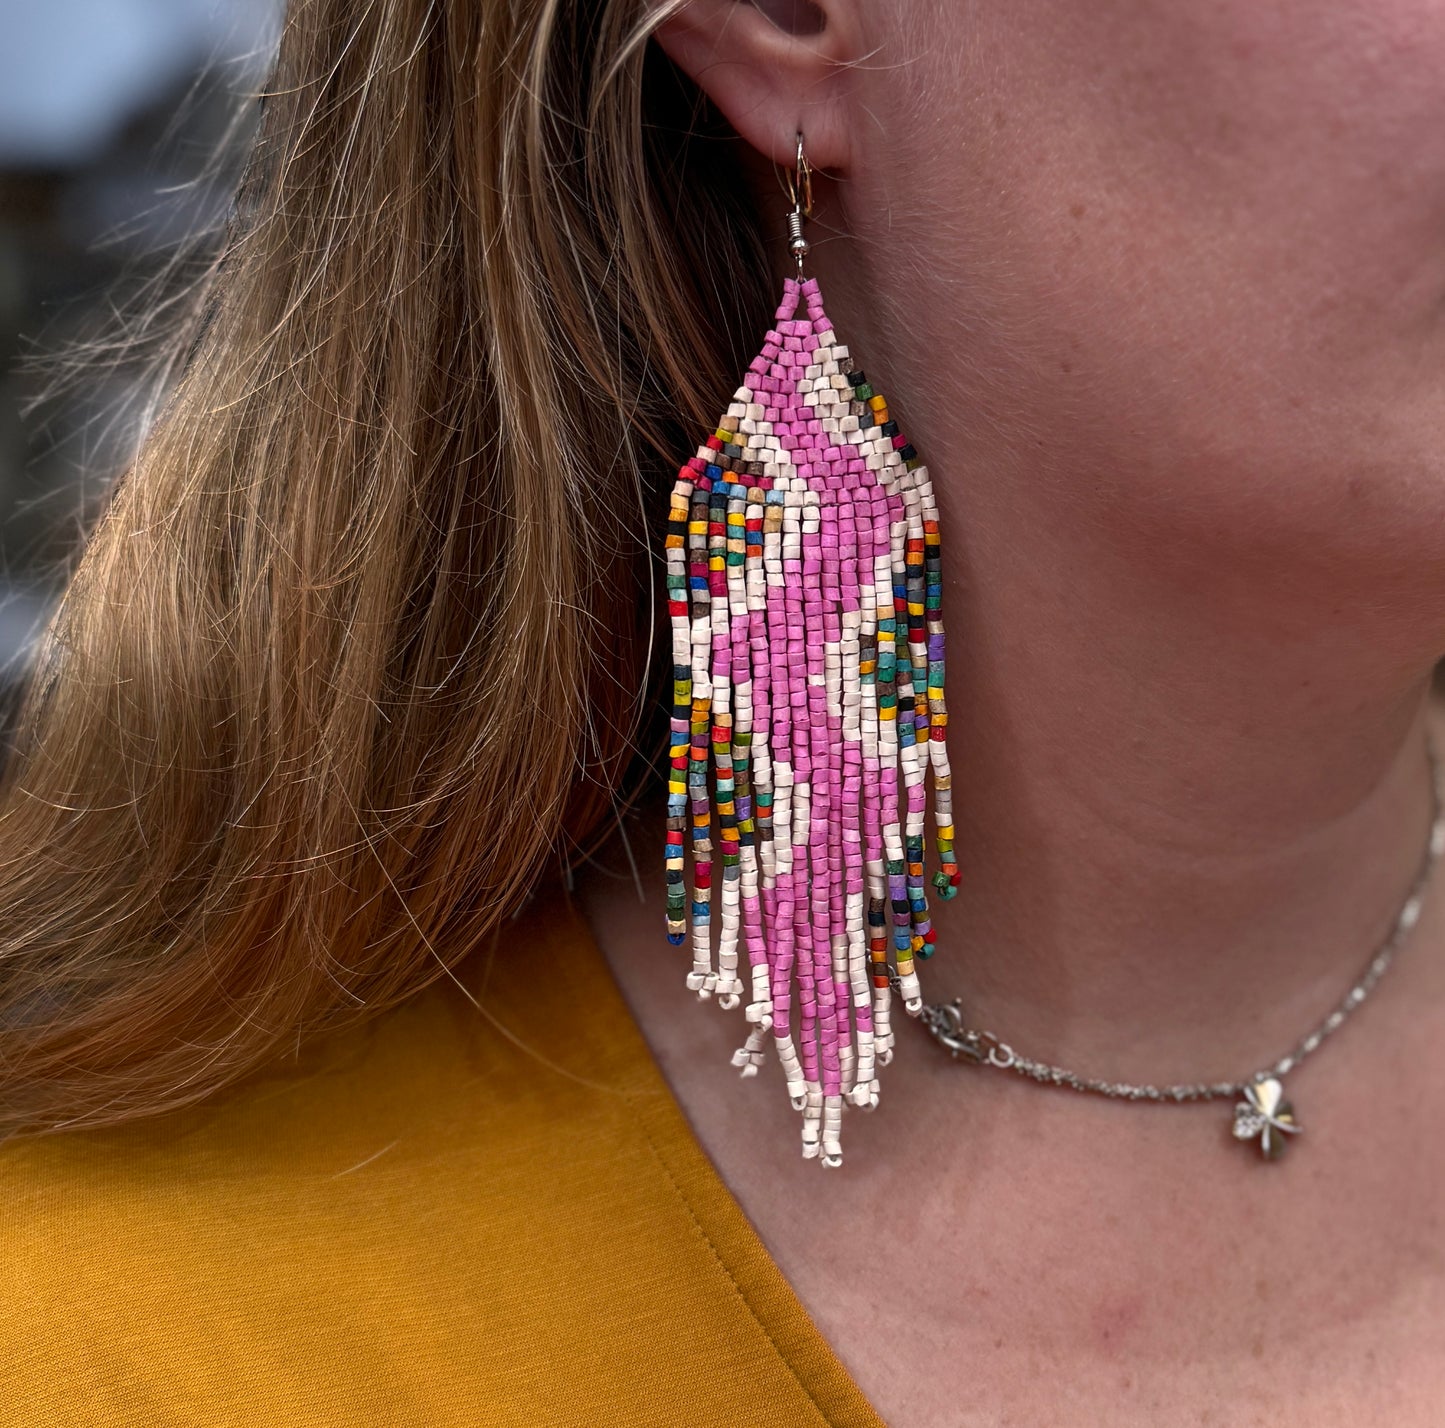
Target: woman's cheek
(1199,252)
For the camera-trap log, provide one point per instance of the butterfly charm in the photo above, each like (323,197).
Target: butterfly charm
(1265,1113)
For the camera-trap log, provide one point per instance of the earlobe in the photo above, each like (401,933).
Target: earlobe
(771,75)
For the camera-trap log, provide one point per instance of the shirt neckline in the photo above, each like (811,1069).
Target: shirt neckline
(589,998)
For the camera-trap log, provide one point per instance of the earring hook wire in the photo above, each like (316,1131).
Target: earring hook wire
(800,182)
(800,194)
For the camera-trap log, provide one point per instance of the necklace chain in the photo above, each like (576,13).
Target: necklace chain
(946,1021)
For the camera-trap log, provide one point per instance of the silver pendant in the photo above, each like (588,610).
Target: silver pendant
(1265,1113)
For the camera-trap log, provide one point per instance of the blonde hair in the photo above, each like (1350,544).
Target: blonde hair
(361,634)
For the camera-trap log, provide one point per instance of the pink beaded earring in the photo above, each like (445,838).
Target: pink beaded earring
(803,585)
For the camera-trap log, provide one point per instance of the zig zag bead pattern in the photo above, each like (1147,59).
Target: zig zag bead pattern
(803,585)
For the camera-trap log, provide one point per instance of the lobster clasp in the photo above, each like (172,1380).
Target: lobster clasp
(946,1024)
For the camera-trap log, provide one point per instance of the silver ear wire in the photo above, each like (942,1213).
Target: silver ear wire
(800,192)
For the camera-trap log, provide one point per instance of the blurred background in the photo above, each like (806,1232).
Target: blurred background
(121,125)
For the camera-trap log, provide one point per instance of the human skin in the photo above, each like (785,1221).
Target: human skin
(1156,290)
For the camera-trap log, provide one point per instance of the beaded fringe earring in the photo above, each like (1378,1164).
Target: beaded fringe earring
(803,585)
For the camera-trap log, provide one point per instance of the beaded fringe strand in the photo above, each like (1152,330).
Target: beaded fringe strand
(803,583)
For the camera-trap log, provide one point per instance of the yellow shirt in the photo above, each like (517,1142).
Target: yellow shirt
(431,1219)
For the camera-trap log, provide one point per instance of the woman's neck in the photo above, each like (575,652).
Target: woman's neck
(1183,827)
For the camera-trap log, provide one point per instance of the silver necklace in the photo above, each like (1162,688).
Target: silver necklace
(1263,1112)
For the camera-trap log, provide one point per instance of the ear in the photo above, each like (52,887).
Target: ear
(774,68)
